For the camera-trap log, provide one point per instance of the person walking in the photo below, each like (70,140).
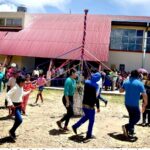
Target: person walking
(69,90)
(133,88)
(89,101)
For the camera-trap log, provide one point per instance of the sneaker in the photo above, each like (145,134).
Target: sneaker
(59,124)
(65,129)
(106,103)
(143,124)
(12,135)
(125,131)
(74,130)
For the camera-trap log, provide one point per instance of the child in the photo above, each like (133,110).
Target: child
(41,81)
(14,98)
(146,113)
(27,87)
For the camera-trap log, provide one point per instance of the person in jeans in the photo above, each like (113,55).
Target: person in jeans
(69,90)
(146,114)
(89,101)
(100,84)
(14,98)
(133,88)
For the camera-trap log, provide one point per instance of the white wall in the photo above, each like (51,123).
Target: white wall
(131,60)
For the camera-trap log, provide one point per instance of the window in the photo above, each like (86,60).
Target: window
(126,39)
(148,42)
(13,22)
(2,22)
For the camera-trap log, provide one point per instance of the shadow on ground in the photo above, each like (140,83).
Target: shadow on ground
(79,138)
(7,139)
(121,137)
(6,118)
(57,132)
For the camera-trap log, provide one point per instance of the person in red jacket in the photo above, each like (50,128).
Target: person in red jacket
(28,86)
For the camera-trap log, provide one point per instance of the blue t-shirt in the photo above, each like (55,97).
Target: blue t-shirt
(133,88)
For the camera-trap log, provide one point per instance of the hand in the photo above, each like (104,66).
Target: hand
(98,110)
(11,107)
(67,105)
(143,109)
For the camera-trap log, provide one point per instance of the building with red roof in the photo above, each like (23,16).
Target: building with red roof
(123,41)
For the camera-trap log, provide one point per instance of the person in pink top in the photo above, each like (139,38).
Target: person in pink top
(28,86)
(41,81)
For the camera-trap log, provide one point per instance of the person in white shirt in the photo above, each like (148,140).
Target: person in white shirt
(14,98)
(100,86)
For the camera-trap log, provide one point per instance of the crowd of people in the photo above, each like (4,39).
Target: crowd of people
(20,84)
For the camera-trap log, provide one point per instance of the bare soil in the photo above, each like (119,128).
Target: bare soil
(39,128)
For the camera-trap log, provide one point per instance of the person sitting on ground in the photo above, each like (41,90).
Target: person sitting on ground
(133,88)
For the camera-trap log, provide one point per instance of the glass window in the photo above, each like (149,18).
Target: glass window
(140,33)
(148,48)
(126,39)
(148,34)
(148,42)
(2,22)
(13,22)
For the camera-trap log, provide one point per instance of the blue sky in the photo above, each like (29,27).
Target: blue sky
(114,7)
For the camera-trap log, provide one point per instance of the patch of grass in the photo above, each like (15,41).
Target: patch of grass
(118,99)
(111,98)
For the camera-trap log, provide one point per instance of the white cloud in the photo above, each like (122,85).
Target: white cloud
(8,5)
(133,2)
(8,8)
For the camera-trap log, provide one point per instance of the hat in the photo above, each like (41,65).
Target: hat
(13,65)
(95,77)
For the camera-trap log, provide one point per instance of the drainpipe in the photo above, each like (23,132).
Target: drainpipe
(145,45)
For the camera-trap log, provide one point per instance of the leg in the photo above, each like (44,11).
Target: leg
(68,115)
(37,97)
(18,120)
(41,96)
(134,117)
(25,101)
(82,120)
(148,113)
(144,117)
(91,115)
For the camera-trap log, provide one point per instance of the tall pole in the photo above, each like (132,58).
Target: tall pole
(84,36)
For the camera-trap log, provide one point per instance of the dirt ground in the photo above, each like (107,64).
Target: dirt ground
(39,128)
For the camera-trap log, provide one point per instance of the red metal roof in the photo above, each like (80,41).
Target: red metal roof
(50,35)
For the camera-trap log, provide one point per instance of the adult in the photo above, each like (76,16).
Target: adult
(69,90)
(100,85)
(89,101)
(133,88)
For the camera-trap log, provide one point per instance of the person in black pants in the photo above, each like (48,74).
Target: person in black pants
(146,114)
(69,90)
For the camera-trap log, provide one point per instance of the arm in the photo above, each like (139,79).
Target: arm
(121,90)
(9,96)
(66,92)
(144,102)
(26,93)
(97,105)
